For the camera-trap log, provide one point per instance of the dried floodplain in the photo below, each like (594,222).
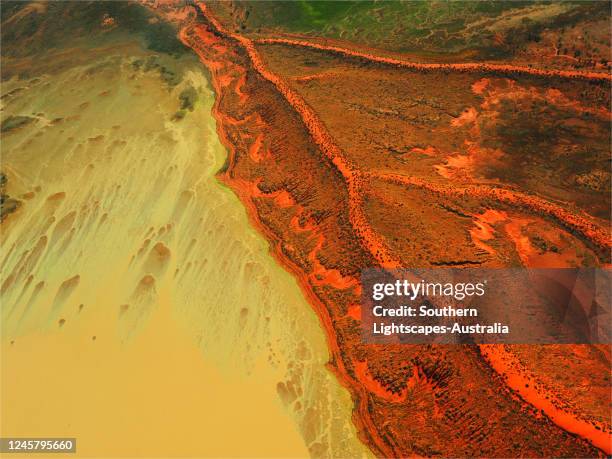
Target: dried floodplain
(138,305)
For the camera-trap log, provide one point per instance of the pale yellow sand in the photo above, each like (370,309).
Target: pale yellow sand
(141,313)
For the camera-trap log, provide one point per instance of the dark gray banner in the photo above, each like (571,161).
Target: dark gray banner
(486,306)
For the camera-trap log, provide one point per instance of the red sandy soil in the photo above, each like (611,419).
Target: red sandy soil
(409,400)
(504,69)
(573,220)
(522,382)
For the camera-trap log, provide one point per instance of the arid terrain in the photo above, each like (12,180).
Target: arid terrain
(480,138)
(137,302)
(350,157)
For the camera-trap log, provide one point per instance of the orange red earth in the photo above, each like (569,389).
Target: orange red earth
(478,67)
(227,55)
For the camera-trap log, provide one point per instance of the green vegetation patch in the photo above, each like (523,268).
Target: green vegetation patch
(188,98)
(12,123)
(432,26)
